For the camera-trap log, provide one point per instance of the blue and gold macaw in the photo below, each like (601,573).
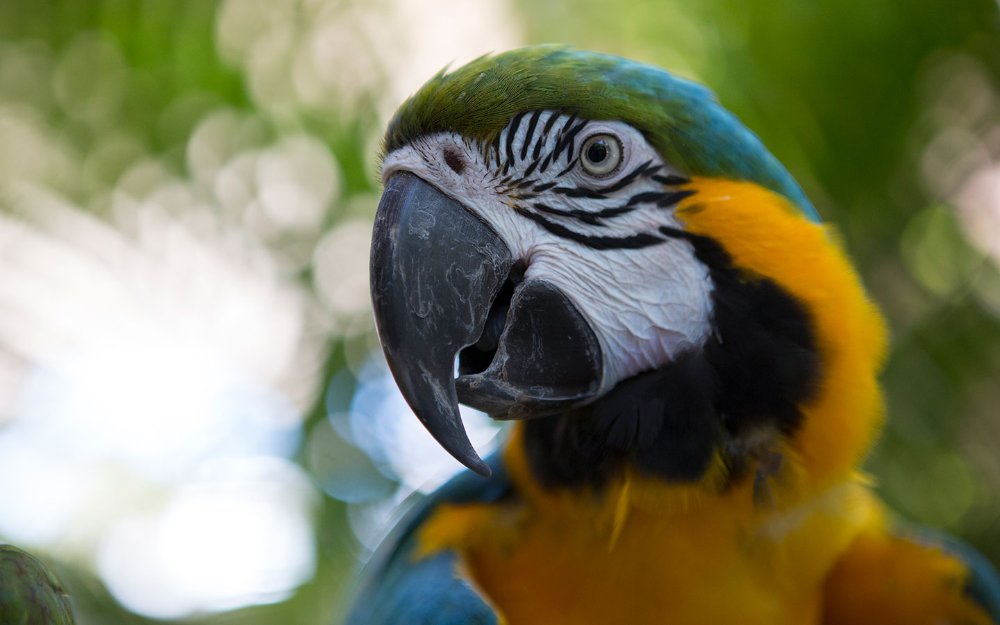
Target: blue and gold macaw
(621,267)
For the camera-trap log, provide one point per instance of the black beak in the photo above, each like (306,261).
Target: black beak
(435,270)
(436,274)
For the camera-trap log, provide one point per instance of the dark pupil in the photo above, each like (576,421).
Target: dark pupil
(598,151)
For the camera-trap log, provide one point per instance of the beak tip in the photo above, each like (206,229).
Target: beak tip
(461,449)
(481,468)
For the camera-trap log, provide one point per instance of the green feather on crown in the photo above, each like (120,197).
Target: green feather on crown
(683,120)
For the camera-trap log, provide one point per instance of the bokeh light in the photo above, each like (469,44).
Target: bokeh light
(239,532)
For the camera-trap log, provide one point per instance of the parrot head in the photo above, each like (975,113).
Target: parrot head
(567,235)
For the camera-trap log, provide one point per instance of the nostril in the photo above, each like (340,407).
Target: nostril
(454,160)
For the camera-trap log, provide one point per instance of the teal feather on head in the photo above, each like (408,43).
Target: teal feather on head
(681,119)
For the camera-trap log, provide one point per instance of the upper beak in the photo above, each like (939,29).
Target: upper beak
(436,272)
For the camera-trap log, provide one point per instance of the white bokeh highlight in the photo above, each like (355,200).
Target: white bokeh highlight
(239,534)
(159,346)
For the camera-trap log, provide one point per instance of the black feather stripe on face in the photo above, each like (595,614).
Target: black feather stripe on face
(540,134)
(629,242)
(530,133)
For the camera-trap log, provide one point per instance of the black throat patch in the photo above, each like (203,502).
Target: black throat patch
(760,365)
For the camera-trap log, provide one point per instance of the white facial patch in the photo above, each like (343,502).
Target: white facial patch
(598,239)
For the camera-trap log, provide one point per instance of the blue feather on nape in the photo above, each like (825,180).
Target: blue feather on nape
(402,590)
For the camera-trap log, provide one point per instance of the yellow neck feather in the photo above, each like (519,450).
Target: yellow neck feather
(765,235)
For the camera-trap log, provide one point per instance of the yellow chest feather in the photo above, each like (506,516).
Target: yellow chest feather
(640,554)
(698,567)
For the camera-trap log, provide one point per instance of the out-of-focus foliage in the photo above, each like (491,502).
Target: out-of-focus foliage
(29,593)
(187,385)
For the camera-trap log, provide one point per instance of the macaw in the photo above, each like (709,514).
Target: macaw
(600,252)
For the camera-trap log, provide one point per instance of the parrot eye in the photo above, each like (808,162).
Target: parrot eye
(601,155)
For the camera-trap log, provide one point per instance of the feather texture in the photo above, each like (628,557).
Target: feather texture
(681,119)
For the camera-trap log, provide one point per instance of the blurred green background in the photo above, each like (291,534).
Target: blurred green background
(195,422)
